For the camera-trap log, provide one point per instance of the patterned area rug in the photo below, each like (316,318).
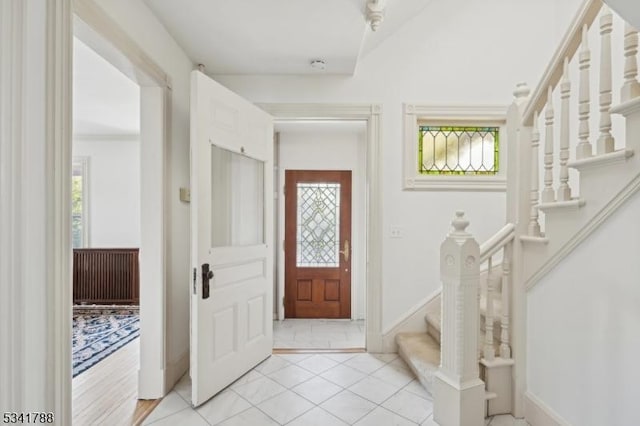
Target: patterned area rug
(99,332)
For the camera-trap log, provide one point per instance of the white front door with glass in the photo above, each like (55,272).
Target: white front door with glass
(232,236)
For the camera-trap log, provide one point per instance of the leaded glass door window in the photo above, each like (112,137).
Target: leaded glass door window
(318,225)
(317,244)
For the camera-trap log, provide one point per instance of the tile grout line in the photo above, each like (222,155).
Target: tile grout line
(336,384)
(386,363)
(314,375)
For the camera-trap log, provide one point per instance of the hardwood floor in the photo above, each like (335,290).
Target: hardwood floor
(106,394)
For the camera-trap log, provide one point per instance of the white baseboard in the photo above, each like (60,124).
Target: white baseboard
(412,321)
(537,413)
(175,370)
(151,383)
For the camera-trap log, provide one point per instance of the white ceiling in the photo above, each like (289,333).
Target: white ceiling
(278,36)
(237,37)
(105,101)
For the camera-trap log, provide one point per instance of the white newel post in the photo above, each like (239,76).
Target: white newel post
(459,393)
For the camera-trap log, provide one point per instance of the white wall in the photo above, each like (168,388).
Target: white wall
(114,191)
(454,52)
(583,344)
(135,18)
(331,149)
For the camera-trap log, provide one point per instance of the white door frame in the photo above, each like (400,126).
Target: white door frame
(373,276)
(358,265)
(104,36)
(40,40)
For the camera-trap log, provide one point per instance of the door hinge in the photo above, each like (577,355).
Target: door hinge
(195,275)
(283,301)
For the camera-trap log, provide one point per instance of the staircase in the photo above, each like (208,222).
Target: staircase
(421,351)
(467,358)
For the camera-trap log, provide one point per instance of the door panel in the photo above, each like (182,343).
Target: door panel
(317,244)
(231,232)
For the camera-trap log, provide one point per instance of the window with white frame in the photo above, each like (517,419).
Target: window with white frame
(454,148)
(79,202)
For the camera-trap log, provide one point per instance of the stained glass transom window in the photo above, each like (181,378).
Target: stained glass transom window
(450,150)
(318,225)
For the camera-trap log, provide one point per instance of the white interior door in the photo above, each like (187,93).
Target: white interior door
(232,236)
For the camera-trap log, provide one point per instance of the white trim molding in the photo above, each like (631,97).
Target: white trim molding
(11,188)
(105,36)
(415,114)
(58,131)
(537,413)
(370,113)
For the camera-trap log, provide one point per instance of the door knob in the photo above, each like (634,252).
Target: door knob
(346,250)
(207,274)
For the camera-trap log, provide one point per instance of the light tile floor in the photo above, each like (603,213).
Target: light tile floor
(318,334)
(312,389)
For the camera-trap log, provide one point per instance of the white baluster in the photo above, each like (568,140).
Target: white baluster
(505,349)
(534,224)
(605,140)
(564,191)
(584,148)
(489,352)
(631,87)
(548,194)
(480,335)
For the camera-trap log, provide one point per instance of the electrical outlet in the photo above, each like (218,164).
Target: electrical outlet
(397,232)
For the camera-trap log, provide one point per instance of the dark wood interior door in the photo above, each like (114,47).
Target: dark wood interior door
(317,244)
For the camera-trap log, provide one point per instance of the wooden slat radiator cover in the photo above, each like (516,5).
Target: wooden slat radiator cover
(106,276)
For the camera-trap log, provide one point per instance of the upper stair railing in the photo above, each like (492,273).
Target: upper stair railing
(581,132)
(568,117)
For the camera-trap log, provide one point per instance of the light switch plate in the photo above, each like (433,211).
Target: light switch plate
(185,195)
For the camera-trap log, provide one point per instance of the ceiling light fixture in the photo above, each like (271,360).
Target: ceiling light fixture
(318,64)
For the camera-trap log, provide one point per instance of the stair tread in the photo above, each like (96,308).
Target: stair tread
(421,352)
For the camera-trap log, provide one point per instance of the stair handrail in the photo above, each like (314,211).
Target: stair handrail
(567,49)
(498,241)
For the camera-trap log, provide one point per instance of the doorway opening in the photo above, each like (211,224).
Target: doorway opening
(118,229)
(105,233)
(321,230)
